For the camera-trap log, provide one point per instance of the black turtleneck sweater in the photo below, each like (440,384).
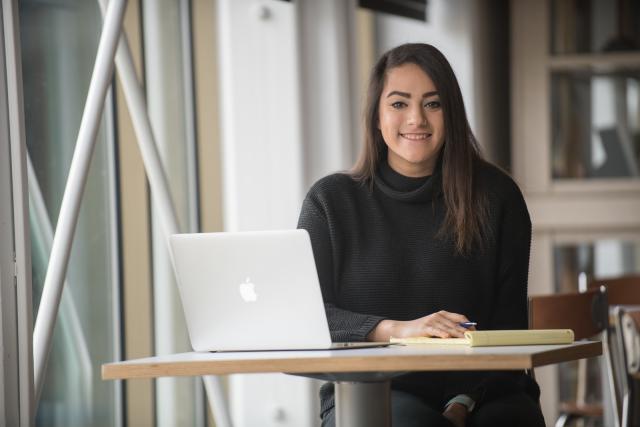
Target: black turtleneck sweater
(379,256)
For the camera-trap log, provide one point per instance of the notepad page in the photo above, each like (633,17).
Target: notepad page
(498,338)
(430,340)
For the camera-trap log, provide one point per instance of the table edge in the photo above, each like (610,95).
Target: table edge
(384,363)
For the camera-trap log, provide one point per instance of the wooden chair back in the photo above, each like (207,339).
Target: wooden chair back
(586,313)
(623,290)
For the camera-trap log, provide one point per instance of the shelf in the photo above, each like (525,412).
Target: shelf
(599,62)
(602,186)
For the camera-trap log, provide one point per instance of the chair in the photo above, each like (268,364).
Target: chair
(628,335)
(623,293)
(587,315)
(623,290)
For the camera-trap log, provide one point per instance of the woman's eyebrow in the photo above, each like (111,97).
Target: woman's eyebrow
(408,95)
(397,92)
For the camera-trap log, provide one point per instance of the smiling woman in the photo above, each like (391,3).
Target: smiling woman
(421,237)
(411,121)
(421,71)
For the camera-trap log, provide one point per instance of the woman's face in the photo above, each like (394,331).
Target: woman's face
(411,120)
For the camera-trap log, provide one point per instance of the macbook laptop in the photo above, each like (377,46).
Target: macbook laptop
(252,291)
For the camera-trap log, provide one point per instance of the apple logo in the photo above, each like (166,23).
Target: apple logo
(248,291)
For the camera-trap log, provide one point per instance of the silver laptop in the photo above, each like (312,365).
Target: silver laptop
(251,291)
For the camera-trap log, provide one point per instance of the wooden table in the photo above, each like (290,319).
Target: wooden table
(362,376)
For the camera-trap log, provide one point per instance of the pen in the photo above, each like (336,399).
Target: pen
(467,325)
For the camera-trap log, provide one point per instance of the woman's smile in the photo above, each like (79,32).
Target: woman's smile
(416,136)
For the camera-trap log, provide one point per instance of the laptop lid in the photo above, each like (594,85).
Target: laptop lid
(250,291)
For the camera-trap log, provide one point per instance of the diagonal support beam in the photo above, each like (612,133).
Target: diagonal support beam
(159,185)
(74,189)
(135,98)
(42,238)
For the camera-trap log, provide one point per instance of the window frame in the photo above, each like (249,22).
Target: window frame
(16,325)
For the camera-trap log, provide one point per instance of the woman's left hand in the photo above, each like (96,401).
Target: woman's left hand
(457,414)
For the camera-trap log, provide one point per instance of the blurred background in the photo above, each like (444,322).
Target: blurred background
(251,101)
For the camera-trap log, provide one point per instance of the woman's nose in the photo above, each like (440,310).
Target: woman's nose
(417,117)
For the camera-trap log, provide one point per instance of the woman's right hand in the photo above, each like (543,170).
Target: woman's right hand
(442,324)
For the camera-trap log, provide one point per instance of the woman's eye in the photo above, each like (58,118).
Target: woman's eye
(433,105)
(398,104)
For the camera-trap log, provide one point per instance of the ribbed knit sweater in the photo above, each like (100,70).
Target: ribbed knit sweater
(379,256)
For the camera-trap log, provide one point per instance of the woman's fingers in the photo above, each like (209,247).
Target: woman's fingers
(434,331)
(442,324)
(446,329)
(447,324)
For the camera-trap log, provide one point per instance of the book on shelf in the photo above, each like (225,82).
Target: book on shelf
(497,338)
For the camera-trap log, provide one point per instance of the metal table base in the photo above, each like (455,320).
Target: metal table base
(363,399)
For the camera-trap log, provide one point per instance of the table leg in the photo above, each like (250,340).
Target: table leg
(363,404)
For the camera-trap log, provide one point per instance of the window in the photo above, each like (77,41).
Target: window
(595,124)
(59,44)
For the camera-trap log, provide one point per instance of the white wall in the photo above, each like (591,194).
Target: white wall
(329,72)
(261,119)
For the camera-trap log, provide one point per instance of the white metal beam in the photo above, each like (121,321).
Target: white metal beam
(74,189)
(42,232)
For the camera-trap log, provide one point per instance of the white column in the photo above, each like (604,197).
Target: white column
(178,400)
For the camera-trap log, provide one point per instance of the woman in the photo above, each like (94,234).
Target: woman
(420,236)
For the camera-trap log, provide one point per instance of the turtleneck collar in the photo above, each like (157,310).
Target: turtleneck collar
(405,188)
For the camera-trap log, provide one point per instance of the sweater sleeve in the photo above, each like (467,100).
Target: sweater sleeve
(514,245)
(344,325)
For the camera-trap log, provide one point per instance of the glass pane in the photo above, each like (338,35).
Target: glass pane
(596,260)
(59,43)
(595,125)
(592,26)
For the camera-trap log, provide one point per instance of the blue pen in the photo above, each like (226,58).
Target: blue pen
(467,325)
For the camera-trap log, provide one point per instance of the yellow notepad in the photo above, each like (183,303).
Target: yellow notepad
(495,338)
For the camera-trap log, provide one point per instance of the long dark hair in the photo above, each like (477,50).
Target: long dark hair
(466,205)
